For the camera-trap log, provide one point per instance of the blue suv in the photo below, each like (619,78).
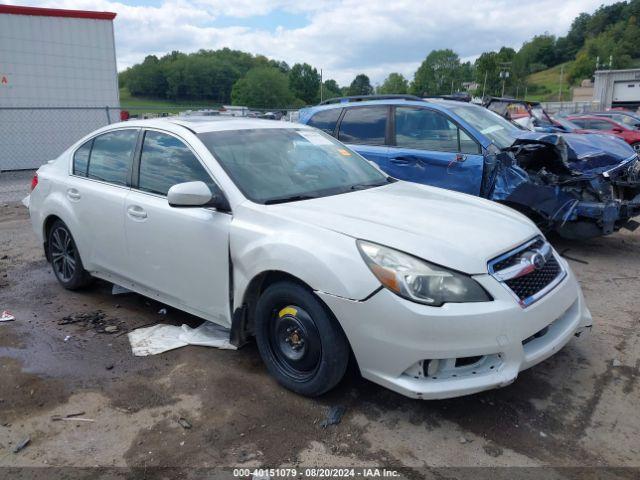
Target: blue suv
(579,185)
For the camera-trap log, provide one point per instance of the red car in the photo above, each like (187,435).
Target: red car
(606,125)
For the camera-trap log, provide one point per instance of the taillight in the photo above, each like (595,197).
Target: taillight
(34,181)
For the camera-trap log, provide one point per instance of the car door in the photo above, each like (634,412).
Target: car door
(180,253)
(430,148)
(96,191)
(364,129)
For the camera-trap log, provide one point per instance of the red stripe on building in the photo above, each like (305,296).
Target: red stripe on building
(55,12)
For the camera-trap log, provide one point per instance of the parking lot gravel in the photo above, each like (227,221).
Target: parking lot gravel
(577,409)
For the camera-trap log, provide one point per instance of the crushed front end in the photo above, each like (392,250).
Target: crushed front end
(581,186)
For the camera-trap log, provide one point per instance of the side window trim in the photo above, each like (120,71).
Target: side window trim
(393,140)
(92,140)
(136,166)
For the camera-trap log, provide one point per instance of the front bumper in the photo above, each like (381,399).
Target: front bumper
(394,339)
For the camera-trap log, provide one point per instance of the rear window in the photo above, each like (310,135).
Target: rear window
(81,159)
(326,120)
(111,156)
(366,125)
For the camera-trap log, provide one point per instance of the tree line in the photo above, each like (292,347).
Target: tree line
(607,38)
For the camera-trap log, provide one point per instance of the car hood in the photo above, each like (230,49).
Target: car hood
(585,153)
(451,229)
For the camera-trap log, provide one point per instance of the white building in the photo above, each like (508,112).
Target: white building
(617,88)
(58,81)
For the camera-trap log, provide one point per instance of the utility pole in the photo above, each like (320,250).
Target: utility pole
(484,85)
(320,85)
(504,74)
(561,78)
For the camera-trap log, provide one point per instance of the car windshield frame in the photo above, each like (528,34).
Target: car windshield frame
(214,142)
(471,113)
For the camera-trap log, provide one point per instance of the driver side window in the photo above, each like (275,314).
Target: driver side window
(166,161)
(424,129)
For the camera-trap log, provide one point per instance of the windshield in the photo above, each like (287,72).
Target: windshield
(274,165)
(499,130)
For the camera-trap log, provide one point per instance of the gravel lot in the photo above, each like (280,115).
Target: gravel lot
(577,409)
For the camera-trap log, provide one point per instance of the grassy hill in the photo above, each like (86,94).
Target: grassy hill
(139,105)
(544,86)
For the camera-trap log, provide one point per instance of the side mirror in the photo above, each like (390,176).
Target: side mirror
(189,194)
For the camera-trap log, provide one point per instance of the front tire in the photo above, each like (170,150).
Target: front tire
(65,258)
(299,340)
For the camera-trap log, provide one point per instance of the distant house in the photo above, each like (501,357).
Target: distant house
(58,81)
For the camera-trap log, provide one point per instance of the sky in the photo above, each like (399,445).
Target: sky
(341,37)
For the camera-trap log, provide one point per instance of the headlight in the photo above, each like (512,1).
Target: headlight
(418,280)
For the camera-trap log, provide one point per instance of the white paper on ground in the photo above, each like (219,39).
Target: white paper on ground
(162,338)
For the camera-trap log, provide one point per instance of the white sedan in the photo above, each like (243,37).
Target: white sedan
(278,231)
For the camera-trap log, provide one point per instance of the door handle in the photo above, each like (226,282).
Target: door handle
(73,194)
(136,212)
(402,161)
(460,157)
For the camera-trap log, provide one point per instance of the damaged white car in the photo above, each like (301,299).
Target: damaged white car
(278,231)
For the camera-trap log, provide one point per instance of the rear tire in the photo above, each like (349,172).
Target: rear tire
(636,147)
(299,340)
(65,258)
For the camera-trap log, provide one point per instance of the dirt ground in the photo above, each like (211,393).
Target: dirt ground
(577,409)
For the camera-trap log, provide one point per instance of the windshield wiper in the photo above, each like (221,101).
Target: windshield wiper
(290,198)
(362,186)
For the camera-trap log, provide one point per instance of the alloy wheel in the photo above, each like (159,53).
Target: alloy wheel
(63,254)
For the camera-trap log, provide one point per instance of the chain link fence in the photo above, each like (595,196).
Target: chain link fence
(31,136)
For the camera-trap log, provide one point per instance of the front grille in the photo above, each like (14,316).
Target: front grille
(526,280)
(530,284)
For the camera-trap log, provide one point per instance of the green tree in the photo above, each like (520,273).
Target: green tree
(438,74)
(394,83)
(360,86)
(263,87)
(304,82)
(330,89)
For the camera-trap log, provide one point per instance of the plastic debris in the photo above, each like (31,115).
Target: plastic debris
(7,316)
(22,445)
(111,328)
(161,338)
(184,423)
(616,363)
(67,338)
(334,416)
(162,311)
(119,290)
(72,417)
(463,440)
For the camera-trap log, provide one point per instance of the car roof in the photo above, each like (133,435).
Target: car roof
(203,124)
(437,103)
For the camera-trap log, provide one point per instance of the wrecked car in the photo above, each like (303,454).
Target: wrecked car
(578,185)
(282,233)
(527,114)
